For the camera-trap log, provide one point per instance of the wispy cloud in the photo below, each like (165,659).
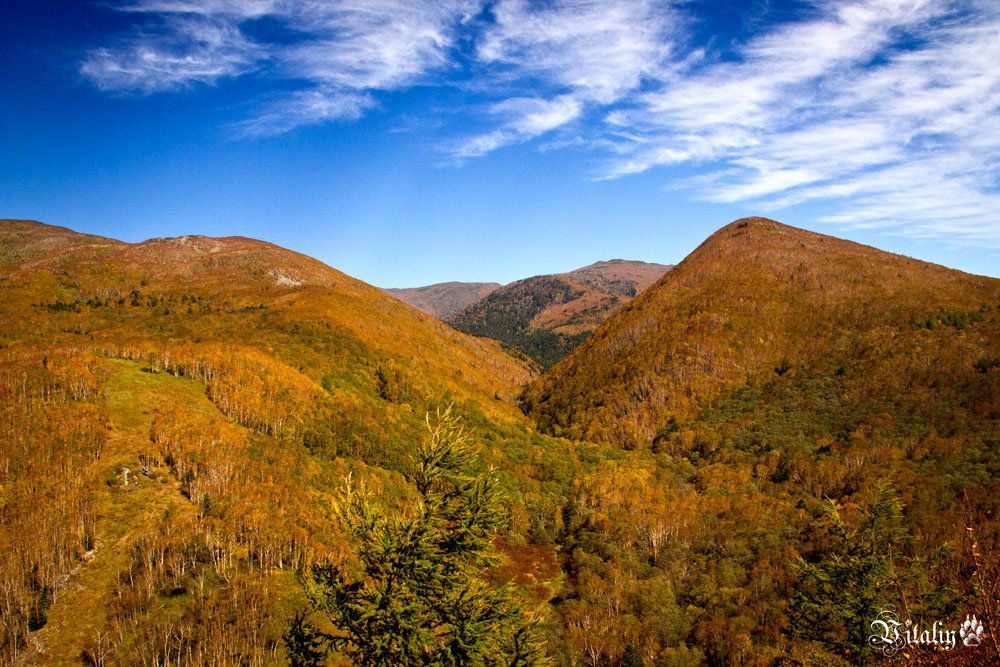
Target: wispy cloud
(342,51)
(305,107)
(887,111)
(523,118)
(575,54)
(172,54)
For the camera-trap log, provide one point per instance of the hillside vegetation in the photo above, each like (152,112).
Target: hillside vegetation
(815,436)
(442,300)
(216,451)
(547,316)
(178,419)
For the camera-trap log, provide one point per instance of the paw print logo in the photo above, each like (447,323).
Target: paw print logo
(971,631)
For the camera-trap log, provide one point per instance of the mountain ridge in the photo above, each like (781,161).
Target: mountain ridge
(712,299)
(442,300)
(545,316)
(235,272)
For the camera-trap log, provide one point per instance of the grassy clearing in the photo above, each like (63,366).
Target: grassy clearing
(79,611)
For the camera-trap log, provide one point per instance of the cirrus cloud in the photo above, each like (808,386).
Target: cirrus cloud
(338,52)
(885,111)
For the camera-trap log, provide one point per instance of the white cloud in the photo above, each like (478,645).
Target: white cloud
(579,54)
(525,118)
(305,107)
(598,50)
(373,44)
(344,50)
(188,49)
(886,111)
(482,144)
(534,116)
(769,181)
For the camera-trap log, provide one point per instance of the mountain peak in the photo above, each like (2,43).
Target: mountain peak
(762,230)
(755,294)
(547,316)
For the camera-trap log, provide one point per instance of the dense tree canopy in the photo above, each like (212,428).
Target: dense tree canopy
(176,418)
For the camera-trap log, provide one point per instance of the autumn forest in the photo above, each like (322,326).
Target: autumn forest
(215,451)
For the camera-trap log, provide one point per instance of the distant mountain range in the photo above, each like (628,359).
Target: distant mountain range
(543,317)
(442,300)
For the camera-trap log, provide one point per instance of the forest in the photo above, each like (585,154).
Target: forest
(507,313)
(245,457)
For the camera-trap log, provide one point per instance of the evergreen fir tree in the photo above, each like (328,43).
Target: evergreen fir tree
(419,592)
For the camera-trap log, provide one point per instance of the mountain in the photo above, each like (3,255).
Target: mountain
(810,436)
(247,290)
(177,419)
(442,300)
(755,296)
(545,317)
(780,441)
(22,240)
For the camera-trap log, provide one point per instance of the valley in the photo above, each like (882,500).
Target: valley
(737,460)
(543,317)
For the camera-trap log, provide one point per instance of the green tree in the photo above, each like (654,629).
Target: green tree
(304,646)
(418,590)
(868,568)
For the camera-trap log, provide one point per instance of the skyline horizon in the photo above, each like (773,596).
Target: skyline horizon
(501,283)
(412,143)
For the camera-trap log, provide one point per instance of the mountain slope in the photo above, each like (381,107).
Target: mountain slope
(442,300)
(755,296)
(545,317)
(177,418)
(232,289)
(810,434)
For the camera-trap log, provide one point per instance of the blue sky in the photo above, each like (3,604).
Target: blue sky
(408,142)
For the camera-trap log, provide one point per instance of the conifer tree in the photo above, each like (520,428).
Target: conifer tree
(868,569)
(419,592)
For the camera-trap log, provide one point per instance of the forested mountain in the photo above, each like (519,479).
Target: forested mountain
(442,300)
(815,437)
(177,420)
(238,290)
(545,317)
(754,297)
(217,451)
